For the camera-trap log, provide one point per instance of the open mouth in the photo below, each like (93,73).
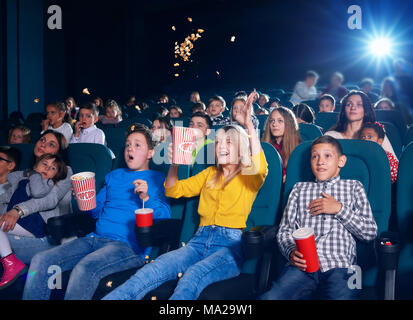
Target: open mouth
(129,157)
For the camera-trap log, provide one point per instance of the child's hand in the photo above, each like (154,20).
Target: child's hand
(296,261)
(141,187)
(327,205)
(45,124)
(243,117)
(78,128)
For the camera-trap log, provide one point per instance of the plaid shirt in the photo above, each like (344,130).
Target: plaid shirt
(334,233)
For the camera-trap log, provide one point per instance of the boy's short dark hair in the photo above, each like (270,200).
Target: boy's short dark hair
(198,105)
(365,81)
(328,97)
(218,98)
(12,154)
(330,140)
(377,127)
(90,106)
(141,128)
(203,116)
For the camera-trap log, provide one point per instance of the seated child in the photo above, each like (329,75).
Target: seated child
(375,131)
(85,129)
(384,104)
(327,103)
(198,107)
(112,115)
(175,112)
(56,120)
(226,194)
(216,106)
(161,130)
(338,211)
(19,134)
(202,123)
(113,246)
(25,185)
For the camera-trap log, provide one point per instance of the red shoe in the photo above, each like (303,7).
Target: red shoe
(12,269)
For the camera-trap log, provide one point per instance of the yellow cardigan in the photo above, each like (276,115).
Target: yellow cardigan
(228,207)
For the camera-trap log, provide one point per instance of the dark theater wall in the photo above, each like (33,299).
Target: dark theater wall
(22,60)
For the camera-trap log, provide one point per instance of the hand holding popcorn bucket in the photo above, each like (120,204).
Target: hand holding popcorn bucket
(84,190)
(183,142)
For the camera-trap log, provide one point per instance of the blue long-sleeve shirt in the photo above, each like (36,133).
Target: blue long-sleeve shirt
(116,203)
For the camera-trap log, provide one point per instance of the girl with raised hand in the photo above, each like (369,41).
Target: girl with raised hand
(226,194)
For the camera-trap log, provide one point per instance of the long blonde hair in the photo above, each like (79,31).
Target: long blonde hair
(237,134)
(291,137)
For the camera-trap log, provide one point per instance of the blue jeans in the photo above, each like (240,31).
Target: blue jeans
(25,248)
(89,258)
(212,255)
(294,284)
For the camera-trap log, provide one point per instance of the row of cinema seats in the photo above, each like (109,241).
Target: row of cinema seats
(367,163)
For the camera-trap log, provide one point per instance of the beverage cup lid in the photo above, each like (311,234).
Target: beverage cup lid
(144,211)
(303,233)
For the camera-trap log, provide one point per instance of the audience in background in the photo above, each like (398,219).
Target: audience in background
(199,107)
(216,106)
(366,85)
(194,97)
(56,120)
(389,89)
(384,104)
(374,131)
(336,89)
(305,90)
(72,108)
(303,113)
(356,110)
(281,130)
(263,99)
(327,103)
(161,129)
(113,114)
(19,134)
(175,112)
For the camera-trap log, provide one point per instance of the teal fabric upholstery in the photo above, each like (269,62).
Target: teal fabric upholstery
(309,132)
(326,120)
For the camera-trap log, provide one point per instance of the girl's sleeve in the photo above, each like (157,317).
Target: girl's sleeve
(49,202)
(256,174)
(388,147)
(39,187)
(190,187)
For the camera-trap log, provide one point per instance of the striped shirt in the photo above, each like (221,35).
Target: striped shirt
(334,233)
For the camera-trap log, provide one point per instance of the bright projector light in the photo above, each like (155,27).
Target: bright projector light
(380,47)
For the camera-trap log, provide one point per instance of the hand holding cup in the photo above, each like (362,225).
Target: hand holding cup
(141,188)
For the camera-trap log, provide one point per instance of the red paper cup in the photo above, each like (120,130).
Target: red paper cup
(85,191)
(144,217)
(305,241)
(183,141)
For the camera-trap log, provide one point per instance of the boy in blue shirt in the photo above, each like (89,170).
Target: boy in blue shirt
(113,246)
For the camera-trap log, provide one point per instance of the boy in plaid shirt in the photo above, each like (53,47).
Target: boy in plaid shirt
(338,210)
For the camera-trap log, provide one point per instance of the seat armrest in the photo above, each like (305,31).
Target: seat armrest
(258,239)
(161,231)
(69,225)
(388,249)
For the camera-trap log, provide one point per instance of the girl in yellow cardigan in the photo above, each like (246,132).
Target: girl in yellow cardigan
(226,194)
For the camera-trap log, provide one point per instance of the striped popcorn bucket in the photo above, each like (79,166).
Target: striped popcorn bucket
(84,188)
(183,142)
